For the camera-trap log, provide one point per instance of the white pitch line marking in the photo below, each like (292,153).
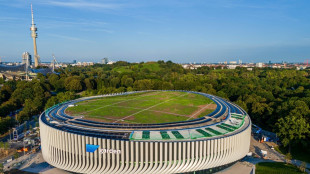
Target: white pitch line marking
(150,107)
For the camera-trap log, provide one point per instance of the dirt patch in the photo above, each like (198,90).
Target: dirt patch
(130,118)
(74,114)
(6,152)
(149,94)
(69,113)
(168,113)
(211,106)
(174,108)
(201,109)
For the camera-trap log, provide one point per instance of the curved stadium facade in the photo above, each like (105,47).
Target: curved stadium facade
(202,144)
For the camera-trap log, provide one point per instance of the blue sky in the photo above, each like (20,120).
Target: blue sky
(144,30)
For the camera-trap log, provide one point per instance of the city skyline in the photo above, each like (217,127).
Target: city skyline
(196,31)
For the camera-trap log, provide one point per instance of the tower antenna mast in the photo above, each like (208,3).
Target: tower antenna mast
(54,62)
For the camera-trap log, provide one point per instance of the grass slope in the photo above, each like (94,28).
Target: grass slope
(276,168)
(151,66)
(298,152)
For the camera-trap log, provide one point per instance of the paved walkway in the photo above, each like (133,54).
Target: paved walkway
(247,165)
(33,163)
(272,155)
(36,164)
(238,168)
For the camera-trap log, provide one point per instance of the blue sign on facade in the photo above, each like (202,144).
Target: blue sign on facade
(91,148)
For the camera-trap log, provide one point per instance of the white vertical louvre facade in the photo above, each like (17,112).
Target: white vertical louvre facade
(67,150)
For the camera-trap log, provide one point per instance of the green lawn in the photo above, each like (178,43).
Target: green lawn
(206,112)
(298,152)
(152,66)
(276,168)
(149,116)
(122,69)
(147,107)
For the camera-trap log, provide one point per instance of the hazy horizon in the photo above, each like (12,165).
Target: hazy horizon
(181,31)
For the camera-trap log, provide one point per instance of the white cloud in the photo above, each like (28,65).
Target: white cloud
(9,19)
(85,4)
(68,37)
(99,30)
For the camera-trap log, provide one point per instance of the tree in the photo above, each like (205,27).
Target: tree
(1,168)
(90,83)
(129,82)
(5,93)
(73,83)
(65,96)
(129,89)
(6,123)
(51,102)
(292,128)
(288,158)
(53,78)
(6,145)
(16,155)
(145,84)
(114,82)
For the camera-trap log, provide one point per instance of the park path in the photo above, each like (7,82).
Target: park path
(272,155)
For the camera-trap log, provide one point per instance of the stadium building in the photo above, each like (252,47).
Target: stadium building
(200,145)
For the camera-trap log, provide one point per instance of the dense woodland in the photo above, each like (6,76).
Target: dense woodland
(276,99)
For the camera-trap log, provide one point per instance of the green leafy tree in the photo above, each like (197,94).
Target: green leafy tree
(51,102)
(292,128)
(128,82)
(115,81)
(145,84)
(75,85)
(90,83)
(16,155)
(1,168)
(65,96)
(288,158)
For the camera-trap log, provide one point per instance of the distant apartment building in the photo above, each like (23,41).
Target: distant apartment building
(259,65)
(83,64)
(26,58)
(232,66)
(104,60)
